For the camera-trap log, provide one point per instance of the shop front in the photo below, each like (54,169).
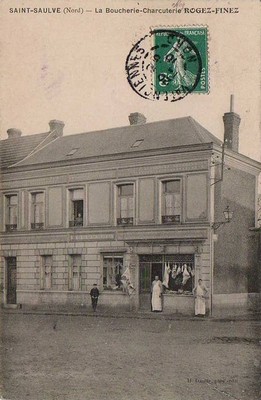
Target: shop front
(176,271)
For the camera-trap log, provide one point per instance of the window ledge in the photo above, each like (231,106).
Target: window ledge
(178,294)
(111,292)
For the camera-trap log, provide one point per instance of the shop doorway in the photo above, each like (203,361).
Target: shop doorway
(11,280)
(150,266)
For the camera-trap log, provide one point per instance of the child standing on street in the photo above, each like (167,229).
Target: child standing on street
(94,296)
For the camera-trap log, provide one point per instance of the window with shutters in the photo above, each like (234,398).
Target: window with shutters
(11,212)
(125,209)
(171,201)
(76,197)
(37,210)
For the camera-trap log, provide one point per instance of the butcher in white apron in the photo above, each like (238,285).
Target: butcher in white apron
(200,293)
(156,295)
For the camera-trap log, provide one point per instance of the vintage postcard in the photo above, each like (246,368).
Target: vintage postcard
(130,206)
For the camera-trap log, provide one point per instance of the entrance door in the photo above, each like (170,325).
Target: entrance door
(11,280)
(156,270)
(150,266)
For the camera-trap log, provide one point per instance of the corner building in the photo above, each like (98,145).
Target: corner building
(82,209)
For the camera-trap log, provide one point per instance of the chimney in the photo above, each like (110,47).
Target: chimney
(137,119)
(231,127)
(56,126)
(14,133)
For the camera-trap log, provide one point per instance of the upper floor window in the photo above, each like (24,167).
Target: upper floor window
(76,207)
(171,201)
(11,212)
(37,210)
(125,211)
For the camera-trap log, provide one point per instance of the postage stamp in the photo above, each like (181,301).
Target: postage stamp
(169,63)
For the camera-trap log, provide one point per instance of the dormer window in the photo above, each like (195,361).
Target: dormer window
(72,152)
(137,143)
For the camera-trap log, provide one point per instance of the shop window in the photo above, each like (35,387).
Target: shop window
(46,272)
(37,210)
(171,201)
(125,210)
(176,271)
(76,207)
(74,278)
(112,271)
(178,277)
(11,212)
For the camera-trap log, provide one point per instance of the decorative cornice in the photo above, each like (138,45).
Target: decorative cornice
(158,235)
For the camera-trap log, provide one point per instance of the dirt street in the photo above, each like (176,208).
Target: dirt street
(56,357)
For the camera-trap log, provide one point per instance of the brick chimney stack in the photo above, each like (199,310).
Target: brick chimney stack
(137,119)
(14,133)
(56,126)
(231,127)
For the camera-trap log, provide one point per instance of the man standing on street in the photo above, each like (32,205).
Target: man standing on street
(94,296)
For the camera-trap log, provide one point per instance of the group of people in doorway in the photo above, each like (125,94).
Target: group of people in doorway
(200,293)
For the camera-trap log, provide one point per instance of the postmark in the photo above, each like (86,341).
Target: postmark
(169,63)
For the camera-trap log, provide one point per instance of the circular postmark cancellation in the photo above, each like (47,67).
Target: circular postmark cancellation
(165,65)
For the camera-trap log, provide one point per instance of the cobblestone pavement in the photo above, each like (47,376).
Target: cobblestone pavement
(59,357)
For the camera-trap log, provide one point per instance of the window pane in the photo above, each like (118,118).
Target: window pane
(77,209)
(12,200)
(126,190)
(38,197)
(130,205)
(112,271)
(13,215)
(171,186)
(124,204)
(77,194)
(36,214)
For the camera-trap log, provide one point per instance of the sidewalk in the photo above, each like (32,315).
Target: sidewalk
(141,314)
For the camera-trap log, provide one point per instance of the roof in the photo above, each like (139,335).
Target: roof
(13,150)
(162,134)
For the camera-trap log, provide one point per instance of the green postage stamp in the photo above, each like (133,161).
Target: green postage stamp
(169,63)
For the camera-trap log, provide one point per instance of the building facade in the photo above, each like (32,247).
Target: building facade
(119,206)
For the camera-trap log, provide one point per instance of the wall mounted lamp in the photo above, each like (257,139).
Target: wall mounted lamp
(228,214)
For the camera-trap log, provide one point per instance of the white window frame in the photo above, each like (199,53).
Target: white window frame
(32,215)
(71,218)
(118,207)
(170,218)
(7,209)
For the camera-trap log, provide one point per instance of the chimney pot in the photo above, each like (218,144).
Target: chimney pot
(137,119)
(56,126)
(14,133)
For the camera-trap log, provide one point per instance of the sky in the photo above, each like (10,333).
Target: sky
(71,67)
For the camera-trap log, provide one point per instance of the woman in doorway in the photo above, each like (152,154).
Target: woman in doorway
(156,295)
(200,293)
